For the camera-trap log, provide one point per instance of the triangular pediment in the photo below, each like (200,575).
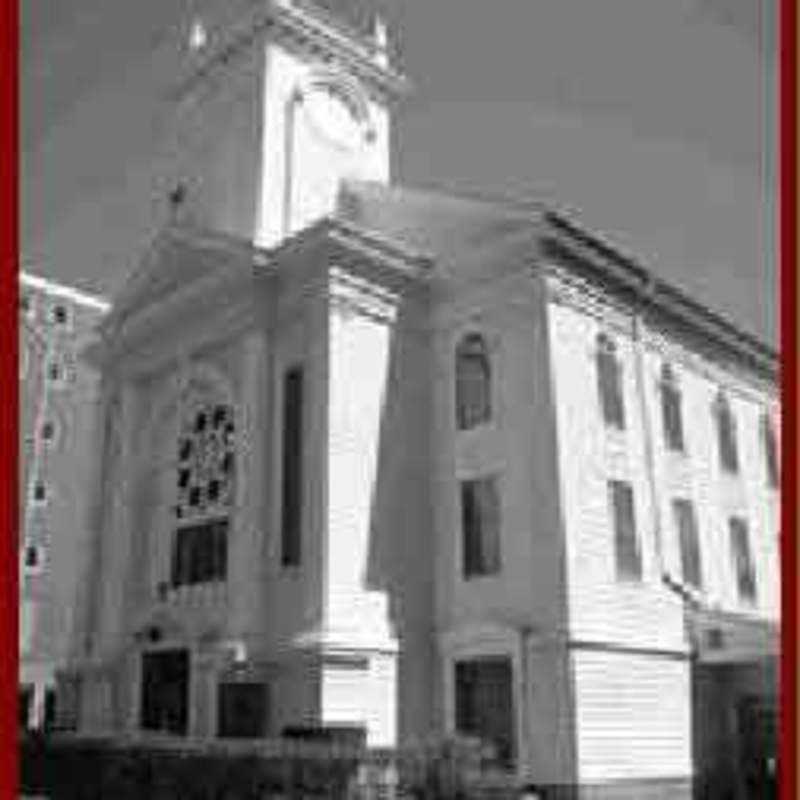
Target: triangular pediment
(176,258)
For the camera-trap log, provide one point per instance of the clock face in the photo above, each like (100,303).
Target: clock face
(334,119)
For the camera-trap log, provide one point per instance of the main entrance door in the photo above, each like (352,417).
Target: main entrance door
(484,703)
(757,721)
(165,691)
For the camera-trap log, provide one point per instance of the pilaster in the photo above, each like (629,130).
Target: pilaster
(247,591)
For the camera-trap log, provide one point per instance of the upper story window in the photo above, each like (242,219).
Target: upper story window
(292,472)
(726,435)
(480,524)
(205,484)
(626,542)
(59,315)
(473,382)
(770,451)
(688,541)
(671,410)
(742,559)
(39,492)
(32,558)
(609,382)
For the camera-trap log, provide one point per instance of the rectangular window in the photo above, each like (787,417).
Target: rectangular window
(609,384)
(49,708)
(689,542)
(770,452)
(671,411)
(480,519)
(484,703)
(626,542)
(25,702)
(726,435)
(292,473)
(200,553)
(742,559)
(242,710)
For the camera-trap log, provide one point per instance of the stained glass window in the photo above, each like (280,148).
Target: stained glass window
(204,493)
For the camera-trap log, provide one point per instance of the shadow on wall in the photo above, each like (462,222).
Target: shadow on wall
(401,552)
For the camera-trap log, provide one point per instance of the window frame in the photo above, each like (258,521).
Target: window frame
(671,399)
(624,572)
(488,544)
(473,348)
(727,445)
(200,539)
(744,573)
(610,382)
(696,579)
(292,488)
(770,450)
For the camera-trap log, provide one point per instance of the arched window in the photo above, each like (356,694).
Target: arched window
(473,382)
(726,435)
(204,490)
(671,409)
(609,382)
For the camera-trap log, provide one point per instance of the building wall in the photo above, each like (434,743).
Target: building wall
(59,460)
(628,641)
(520,611)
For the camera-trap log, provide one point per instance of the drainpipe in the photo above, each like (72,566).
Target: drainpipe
(525,745)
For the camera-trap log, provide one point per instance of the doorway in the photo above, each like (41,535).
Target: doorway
(484,703)
(165,691)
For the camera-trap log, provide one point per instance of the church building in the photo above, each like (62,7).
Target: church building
(414,462)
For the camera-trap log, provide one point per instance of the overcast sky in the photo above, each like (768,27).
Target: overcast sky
(652,120)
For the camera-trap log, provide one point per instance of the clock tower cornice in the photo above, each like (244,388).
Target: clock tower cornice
(299,27)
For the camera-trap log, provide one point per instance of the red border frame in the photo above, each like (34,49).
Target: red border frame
(789,350)
(9,417)
(9,496)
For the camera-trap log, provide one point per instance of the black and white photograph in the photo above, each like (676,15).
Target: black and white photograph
(399,400)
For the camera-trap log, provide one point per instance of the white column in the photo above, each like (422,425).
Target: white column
(360,329)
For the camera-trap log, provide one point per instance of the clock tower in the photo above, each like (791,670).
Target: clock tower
(277,102)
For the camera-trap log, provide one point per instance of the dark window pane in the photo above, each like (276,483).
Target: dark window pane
(200,553)
(31,556)
(480,510)
(742,559)
(484,703)
(242,710)
(473,382)
(165,691)
(609,383)
(770,452)
(671,410)
(726,435)
(628,557)
(689,541)
(292,473)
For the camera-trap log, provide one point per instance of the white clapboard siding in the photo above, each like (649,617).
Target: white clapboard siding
(633,716)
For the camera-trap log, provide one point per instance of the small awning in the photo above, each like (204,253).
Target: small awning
(721,637)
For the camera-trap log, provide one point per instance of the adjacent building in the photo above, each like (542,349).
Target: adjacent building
(417,463)
(56,417)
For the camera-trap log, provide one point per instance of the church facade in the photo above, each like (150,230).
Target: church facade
(417,463)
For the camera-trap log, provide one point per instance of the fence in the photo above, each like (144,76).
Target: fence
(72,768)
